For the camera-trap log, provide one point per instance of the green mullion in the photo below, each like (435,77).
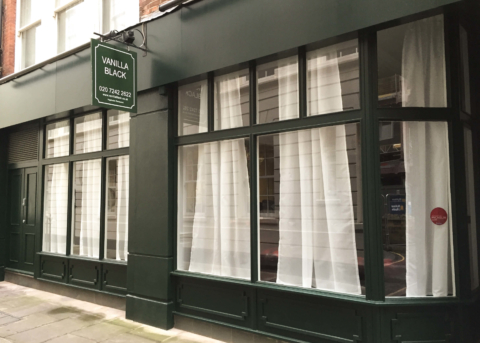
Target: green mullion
(87,156)
(302,81)
(253,92)
(280,126)
(374,273)
(39,195)
(210,102)
(457,159)
(70,211)
(103,226)
(254,251)
(415,114)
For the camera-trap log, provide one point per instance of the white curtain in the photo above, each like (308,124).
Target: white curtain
(228,104)
(423,64)
(122,208)
(56,208)
(90,207)
(427,186)
(221,224)
(56,192)
(91,127)
(317,233)
(123,129)
(288,88)
(427,179)
(324,93)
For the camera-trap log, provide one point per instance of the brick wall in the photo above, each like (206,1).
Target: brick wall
(8,37)
(149,6)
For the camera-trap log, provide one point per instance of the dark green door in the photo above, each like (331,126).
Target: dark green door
(22,219)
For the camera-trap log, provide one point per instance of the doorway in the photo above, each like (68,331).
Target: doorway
(22,219)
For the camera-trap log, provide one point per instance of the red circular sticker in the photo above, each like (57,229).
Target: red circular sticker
(438,216)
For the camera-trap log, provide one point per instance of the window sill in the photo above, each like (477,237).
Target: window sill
(81,258)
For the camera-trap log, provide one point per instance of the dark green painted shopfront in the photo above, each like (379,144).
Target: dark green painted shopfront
(304,170)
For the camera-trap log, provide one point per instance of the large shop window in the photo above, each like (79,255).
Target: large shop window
(309,215)
(417,209)
(214,208)
(87,191)
(308,209)
(411,65)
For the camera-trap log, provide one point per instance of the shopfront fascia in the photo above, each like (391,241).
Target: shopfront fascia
(210,39)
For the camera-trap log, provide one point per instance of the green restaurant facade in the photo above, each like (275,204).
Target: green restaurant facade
(304,170)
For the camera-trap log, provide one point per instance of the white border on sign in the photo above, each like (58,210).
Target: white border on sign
(134,75)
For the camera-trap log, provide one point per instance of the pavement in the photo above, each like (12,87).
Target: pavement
(29,315)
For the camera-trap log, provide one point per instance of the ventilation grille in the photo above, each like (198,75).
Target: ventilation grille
(23,145)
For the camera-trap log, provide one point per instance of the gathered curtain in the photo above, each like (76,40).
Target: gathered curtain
(317,234)
(56,194)
(90,188)
(427,177)
(122,208)
(221,223)
(324,94)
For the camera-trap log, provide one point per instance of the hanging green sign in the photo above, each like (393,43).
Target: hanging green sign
(114,77)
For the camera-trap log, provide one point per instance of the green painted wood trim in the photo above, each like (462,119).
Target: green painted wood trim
(150,312)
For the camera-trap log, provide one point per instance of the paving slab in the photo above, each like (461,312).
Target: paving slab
(33,316)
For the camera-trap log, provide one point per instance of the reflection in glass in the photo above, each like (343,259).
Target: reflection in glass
(118,129)
(411,65)
(116,234)
(232,100)
(58,139)
(55,209)
(277,90)
(415,185)
(86,208)
(192,108)
(213,215)
(465,68)
(88,133)
(333,79)
(310,209)
(472,218)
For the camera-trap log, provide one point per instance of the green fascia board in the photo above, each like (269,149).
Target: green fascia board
(201,37)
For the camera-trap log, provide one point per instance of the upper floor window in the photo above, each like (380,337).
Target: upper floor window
(411,65)
(30,23)
(60,25)
(72,17)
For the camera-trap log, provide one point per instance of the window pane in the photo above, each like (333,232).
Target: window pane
(465,75)
(192,108)
(114,15)
(411,65)
(232,100)
(310,209)
(88,133)
(86,208)
(72,29)
(214,208)
(333,79)
(118,134)
(29,48)
(55,209)
(58,139)
(277,90)
(472,218)
(26,12)
(116,236)
(416,219)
